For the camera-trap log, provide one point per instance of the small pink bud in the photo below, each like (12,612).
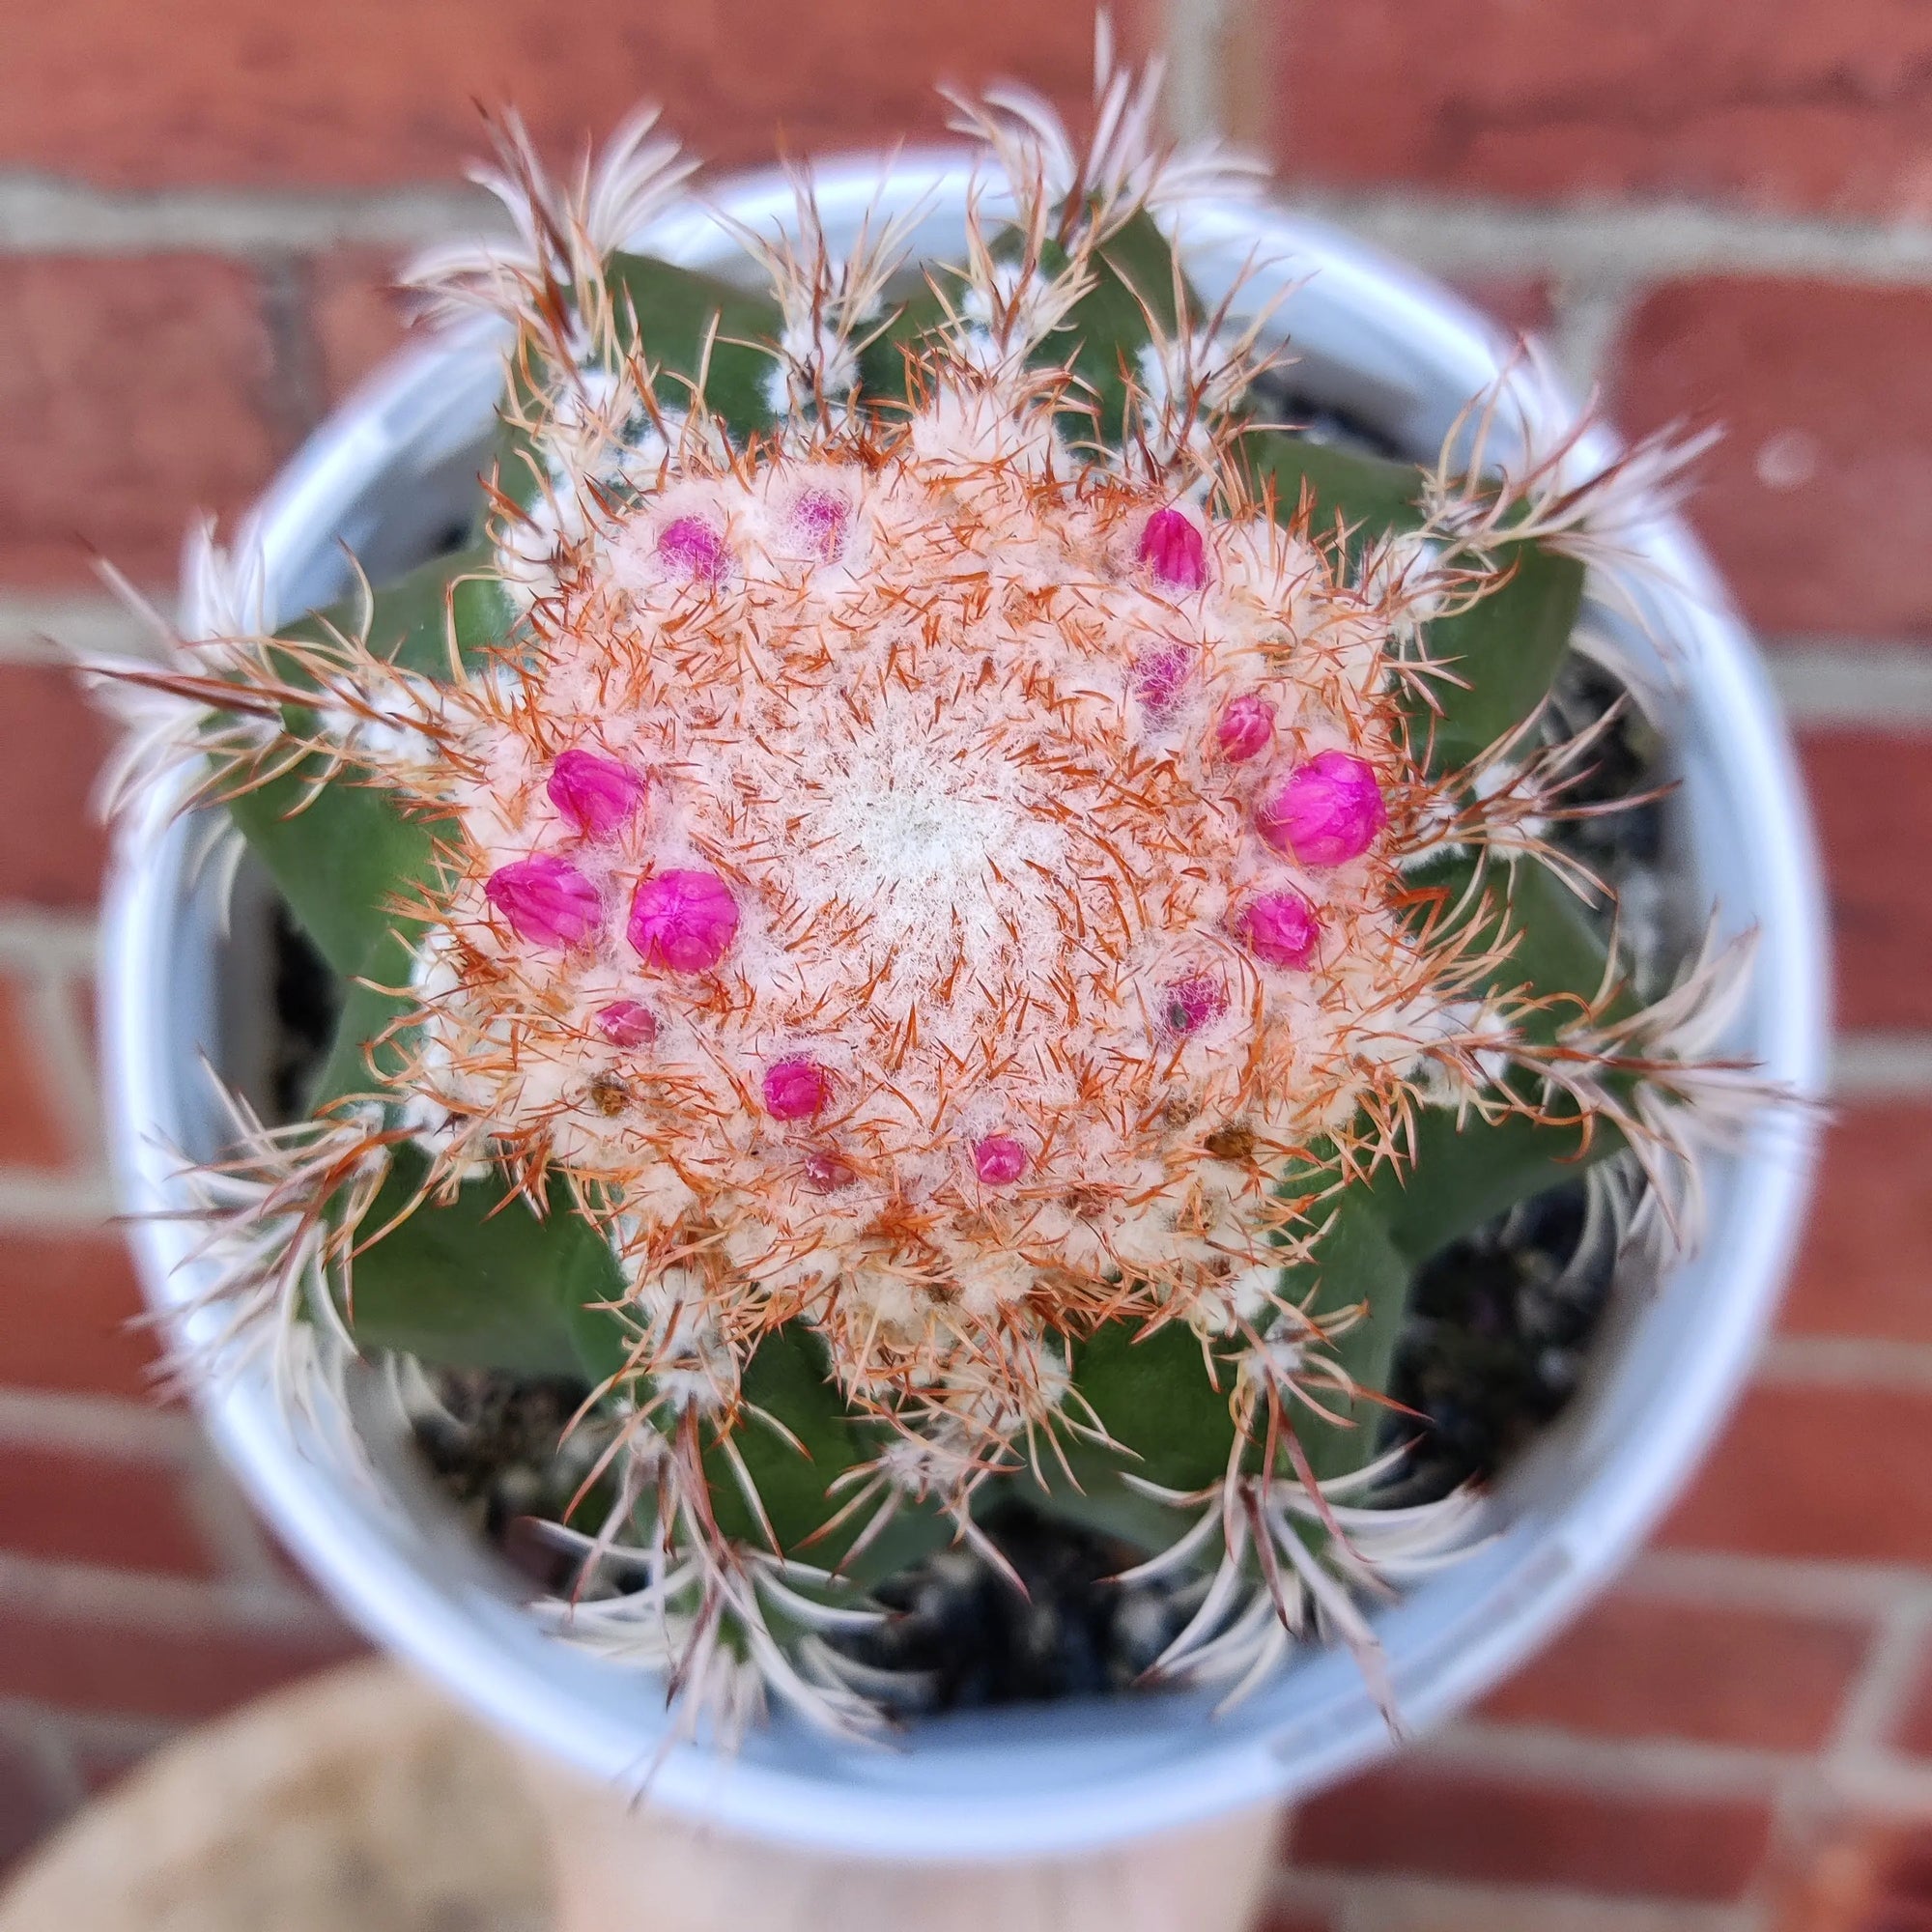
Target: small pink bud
(683,920)
(828,1173)
(690,547)
(1245,729)
(820,517)
(1188,1005)
(999,1160)
(794,1088)
(1171,547)
(594,794)
(625,1023)
(1160,677)
(1327,813)
(1280,928)
(547,900)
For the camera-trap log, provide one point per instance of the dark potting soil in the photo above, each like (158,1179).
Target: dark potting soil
(503,1450)
(308,1003)
(973,1639)
(1498,1332)
(1494,1346)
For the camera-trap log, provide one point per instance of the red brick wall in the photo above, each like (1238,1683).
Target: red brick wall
(1726,202)
(1714,207)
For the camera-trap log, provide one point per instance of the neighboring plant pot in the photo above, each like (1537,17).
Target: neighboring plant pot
(1377,344)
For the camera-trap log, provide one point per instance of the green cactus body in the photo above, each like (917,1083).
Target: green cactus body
(934,910)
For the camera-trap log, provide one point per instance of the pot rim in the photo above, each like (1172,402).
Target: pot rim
(1015,1781)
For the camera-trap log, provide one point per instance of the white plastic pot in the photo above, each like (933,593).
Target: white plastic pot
(384,477)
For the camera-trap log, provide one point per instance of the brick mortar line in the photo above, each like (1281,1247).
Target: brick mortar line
(122,1426)
(132,1428)
(1845,1361)
(42,215)
(45,215)
(1873,686)
(1588,312)
(1879,1065)
(63,1737)
(65,1060)
(293,392)
(40,936)
(1475,234)
(1881,1693)
(1874,1781)
(55,1763)
(1792,1782)
(118,1733)
(1194,104)
(1663,1767)
(230,1529)
(1790,1585)
(78,1202)
(1369,1901)
(49,627)
(155,1601)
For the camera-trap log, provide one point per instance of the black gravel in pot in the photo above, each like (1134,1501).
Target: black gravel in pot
(308,1001)
(497,1449)
(974,1640)
(1499,1324)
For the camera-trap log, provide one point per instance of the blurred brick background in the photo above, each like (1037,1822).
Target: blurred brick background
(1715,206)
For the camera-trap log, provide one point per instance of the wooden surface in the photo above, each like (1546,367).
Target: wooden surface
(361,1802)
(358,1802)
(608,1858)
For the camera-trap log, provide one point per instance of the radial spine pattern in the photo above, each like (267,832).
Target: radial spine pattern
(932,843)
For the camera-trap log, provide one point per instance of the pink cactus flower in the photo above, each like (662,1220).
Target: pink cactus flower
(595,795)
(625,1023)
(1327,811)
(1189,1004)
(689,547)
(828,1173)
(1280,927)
(999,1160)
(1160,678)
(794,1089)
(1245,729)
(1171,546)
(820,518)
(684,922)
(547,900)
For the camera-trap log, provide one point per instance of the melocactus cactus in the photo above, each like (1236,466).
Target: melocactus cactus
(933,906)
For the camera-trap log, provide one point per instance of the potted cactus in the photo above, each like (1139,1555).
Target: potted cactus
(938,915)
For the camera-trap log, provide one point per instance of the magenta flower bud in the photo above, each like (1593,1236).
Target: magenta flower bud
(1280,928)
(594,795)
(547,900)
(1160,678)
(683,920)
(794,1089)
(999,1160)
(625,1023)
(1172,548)
(828,1173)
(1188,1005)
(1245,729)
(820,517)
(1327,813)
(690,546)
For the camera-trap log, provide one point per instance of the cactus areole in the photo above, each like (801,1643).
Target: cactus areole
(934,908)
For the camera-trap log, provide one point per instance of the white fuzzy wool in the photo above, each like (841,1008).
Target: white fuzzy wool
(904,712)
